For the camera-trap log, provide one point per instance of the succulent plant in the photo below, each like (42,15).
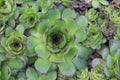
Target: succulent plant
(6,7)
(108,28)
(56,43)
(59,39)
(12,53)
(114,15)
(95,74)
(94,38)
(29,17)
(91,14)
(13,44)
(83,74)
(103,16)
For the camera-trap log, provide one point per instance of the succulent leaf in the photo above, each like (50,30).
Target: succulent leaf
(31,74)
(42,66)
(67,68)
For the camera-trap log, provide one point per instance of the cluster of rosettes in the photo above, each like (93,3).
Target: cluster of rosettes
(52,39)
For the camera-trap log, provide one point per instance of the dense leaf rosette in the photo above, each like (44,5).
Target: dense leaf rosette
(55,42)
(108,28)
(91,14)
(6,7)
(14,44)
(29,17)
(95,37)
(95,74)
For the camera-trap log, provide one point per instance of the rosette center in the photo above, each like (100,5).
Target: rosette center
(56,37)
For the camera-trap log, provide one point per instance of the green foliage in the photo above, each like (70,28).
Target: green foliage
(13,44)
(59,40)
(110,60)
(94,38)
(95,74)
(91,14)
(56,43)
(29,18)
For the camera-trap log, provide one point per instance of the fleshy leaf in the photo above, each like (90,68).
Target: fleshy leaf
(5,73)
(68,13)
(42,66)
(110,62)
(72,53)
(82,21)
(2,57)
(31,74)
(117,55)
(108,72)
(53,14)
(95,3)
(80,63)
(104,2)
(43,26)
(13,64)
(96,62)
(50,76)
(67,68)
(105,53)
(20,28)
(80,35)
(83,51)
(41,51)
(8,31)
(32,43)
(71,26)
(57,58)
(114,44)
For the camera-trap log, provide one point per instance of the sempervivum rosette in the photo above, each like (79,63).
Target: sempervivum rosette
(91,14)
(108,28)
(29,17)
(6,7)
(55,42)
(95,37)
(94,74)
(13,44)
